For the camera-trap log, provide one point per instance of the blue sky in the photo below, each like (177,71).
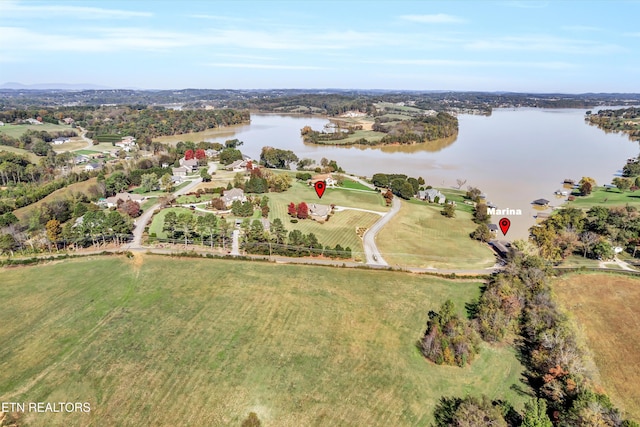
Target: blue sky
(536,46)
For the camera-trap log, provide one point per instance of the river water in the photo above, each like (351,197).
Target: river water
(514,156)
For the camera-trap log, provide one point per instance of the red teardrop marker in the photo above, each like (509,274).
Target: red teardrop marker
(320,186)
(504,225)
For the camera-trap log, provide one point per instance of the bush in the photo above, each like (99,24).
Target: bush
(448,339)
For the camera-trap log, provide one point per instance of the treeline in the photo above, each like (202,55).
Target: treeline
(136,120)
(593,234)
(411,131)
(625,120)
(311,136)
(69,221)
(25,183)
(289,99)
(209,230)
(328,104)
(517,306)
(36,141)
(400,184)
(418,129)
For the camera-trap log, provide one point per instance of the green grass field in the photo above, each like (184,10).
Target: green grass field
(369,135)
(161,341)
(74,145)
(300,192)
(420,236)
(355,185)
(63,193)
(16,131)
(88,152)
(341,227)
(608,198)
(605,308)
(157,223)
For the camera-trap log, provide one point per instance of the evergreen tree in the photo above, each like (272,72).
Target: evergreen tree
(535,414)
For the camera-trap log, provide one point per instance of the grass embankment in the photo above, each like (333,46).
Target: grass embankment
(31,156)
(61,194)
(73,145)
(607,198)
(222,134)
(420,236)
(605,307)
(160,341)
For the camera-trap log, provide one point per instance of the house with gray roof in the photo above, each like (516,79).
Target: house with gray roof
(230,196)
(319,212)
(431,194)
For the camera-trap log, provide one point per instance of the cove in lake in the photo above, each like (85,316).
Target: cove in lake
(514,156)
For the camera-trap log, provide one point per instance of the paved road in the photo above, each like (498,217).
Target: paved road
(372,254)
(235,245)
(143,220)
(344,208)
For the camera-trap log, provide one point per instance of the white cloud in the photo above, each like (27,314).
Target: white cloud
(8,8)
(551,65)
(108,39)
(438,18)
(213,17)
(266,66)
(543,43)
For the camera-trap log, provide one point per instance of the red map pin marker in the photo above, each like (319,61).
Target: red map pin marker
(504,225)
(320,186)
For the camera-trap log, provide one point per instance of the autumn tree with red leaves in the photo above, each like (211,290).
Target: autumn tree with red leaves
(302,210)
(200,154)
(131,208)
(188,155)
(291,209)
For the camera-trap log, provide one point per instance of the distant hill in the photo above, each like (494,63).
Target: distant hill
(63,86)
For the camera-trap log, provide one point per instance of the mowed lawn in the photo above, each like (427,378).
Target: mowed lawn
(301,192)
(161,341)
(31,156)
(157,223)
(16,131)
(341,227)
(607,310)
(607,198)
(420,236)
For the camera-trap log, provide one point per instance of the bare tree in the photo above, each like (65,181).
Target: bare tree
(460,182)
(588,239)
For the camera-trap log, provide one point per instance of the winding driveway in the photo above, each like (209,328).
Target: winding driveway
(372,254)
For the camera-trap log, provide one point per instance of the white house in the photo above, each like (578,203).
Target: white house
(328,179)
(237,166)
(93,167)
(181,171)
(191,165)
(60,140)
(112,201)
(431,194)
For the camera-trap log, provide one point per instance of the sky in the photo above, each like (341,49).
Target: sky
(520,46)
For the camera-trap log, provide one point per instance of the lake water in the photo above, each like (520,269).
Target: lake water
(514,156)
